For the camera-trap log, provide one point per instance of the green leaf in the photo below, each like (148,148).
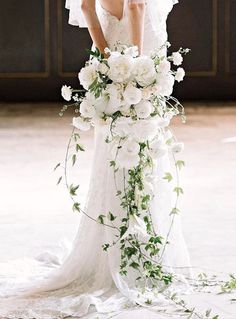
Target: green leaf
(168,177)
(59,180)
(208,312)
(178,190)
(73,189)
(134,265)
(180,164)
(73,159)
(175,210)
(105,247)
(101,219)
(111,216)
(57,166)
(76,207)
(112,163)
(76,137)
(79,148)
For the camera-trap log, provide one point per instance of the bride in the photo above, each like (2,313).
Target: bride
(89,283)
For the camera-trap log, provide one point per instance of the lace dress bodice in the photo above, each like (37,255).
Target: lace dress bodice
(117,32)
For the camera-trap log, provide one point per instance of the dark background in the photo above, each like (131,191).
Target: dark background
(39,51)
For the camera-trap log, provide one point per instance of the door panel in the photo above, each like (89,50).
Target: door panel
(39,51)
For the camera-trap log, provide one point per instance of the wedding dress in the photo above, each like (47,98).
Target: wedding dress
(88,282)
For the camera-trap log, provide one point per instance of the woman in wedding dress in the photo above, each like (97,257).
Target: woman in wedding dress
(89,282)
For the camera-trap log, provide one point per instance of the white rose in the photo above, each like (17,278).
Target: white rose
(132,95)
(164,66)
(177,58)
(144,71)
(87,75)
(81,124)
(177,147)
(120,67)
(143,109)
(179,76)
(165,84)
(87,109)
(66,92)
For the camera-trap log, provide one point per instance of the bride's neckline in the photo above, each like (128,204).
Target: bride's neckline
(112,15)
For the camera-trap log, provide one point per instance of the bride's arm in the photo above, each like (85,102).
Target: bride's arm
(136,17)
(89,10)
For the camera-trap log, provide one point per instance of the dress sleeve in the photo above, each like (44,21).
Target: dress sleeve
(76,16)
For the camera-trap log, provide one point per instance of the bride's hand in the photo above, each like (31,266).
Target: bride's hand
(136,10)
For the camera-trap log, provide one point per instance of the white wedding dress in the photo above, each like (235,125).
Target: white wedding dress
(88,282)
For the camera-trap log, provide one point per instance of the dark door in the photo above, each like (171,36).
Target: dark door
(39,51)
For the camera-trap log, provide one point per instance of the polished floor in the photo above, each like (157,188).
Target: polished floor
(35,214)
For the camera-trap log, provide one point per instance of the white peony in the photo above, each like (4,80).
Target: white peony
(87,109)
(143,109)
(164,66)
(81,124)
(177,147)
(165,84)
(128,155)
(177,58)
(179,76)
(132,95)
(144,71)
(120,67)
(87,75)
(66,92)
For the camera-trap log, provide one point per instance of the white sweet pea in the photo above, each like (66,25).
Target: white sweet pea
(132,51)
(179,76)
(132,95)
(157,148)
(164,66)
(143,109)
(162,121)
(87,75)
(177,147)
(127,156)
(120,67)
(136,227)
(114,94)
(122,126)
(81,124)
(87,109)
(125,109)
(143,130)
(66,92)
(177,58)
(144,70)
(165,84)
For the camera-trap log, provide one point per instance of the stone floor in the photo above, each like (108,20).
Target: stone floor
(36,214)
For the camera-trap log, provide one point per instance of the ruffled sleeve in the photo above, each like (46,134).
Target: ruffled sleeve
(76,16)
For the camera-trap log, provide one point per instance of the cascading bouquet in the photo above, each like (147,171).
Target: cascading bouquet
(132,95)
